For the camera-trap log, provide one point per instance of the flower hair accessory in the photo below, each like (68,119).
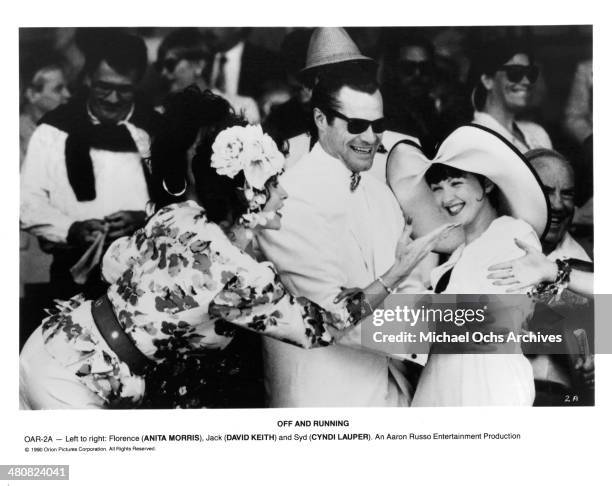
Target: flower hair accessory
(250,150)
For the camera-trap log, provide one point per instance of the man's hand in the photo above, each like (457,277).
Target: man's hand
(124,223)
(84,233)
(524,272)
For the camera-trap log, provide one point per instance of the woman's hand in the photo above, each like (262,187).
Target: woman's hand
(407,256)
(524,272)
(409,253)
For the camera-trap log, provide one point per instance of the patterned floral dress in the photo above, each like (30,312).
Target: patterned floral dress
(179,289)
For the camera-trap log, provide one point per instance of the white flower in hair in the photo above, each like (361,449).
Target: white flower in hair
(228,151)
(248,149)
(264,159)
(257,219)
(255,153)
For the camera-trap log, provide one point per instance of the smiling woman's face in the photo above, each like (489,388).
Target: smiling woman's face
(276,198)
(514,96)
(462,197)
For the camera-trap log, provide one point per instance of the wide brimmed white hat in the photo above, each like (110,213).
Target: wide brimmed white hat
(331,45)
(477,149)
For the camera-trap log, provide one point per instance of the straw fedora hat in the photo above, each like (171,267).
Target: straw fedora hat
(331,45)
(477,149)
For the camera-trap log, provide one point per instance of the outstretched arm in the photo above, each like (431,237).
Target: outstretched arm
(534,268)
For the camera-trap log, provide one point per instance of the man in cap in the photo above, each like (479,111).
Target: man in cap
(340,227)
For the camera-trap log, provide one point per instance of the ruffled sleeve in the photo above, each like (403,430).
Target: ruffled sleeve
(121,255)
(181,284)
(140,248)
(254,298)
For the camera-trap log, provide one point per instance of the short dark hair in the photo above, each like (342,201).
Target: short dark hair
(189,41)
(488,58)
(123,52)
(358,76)
(441,172)
(395,38)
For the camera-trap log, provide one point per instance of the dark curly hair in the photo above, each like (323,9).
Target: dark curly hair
(192,116)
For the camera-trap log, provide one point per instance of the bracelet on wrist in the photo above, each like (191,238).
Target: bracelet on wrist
(545,291)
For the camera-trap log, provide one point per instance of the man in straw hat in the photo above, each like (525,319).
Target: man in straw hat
(330,51)
(340,228)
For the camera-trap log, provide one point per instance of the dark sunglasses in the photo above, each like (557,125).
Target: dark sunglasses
(515,73)
(105,89)
(355,126)
(169,64)
(410,68)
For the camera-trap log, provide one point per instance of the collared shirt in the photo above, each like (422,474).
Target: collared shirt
(232,68)
(331,237)
(48,203)
(533,135)
(568,247)
(300,146)
(364,225)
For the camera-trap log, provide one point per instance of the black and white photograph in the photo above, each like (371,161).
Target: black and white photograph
(247,234)
(207,219)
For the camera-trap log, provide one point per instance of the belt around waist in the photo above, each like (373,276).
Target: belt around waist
(116,338)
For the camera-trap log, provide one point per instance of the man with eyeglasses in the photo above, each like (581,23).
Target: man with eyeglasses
(85,179)
(339,228)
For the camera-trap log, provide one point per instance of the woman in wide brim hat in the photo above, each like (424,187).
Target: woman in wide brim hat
(481,181)
(471,148)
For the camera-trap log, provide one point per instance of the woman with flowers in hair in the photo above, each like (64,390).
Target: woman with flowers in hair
(183,283)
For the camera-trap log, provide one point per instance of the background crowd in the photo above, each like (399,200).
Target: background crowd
(428,78)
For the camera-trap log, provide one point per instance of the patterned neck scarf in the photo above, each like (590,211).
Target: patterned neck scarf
(355,178)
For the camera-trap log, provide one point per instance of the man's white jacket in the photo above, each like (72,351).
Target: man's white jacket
(332,237)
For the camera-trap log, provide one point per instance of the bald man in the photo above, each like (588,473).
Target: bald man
(553,378)
(557,176)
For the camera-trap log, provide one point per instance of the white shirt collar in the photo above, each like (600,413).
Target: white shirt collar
(95,120)
(235,53)
(568,247)
(335,168)
(482,118)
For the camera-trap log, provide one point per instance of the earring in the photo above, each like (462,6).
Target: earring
(175,194)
